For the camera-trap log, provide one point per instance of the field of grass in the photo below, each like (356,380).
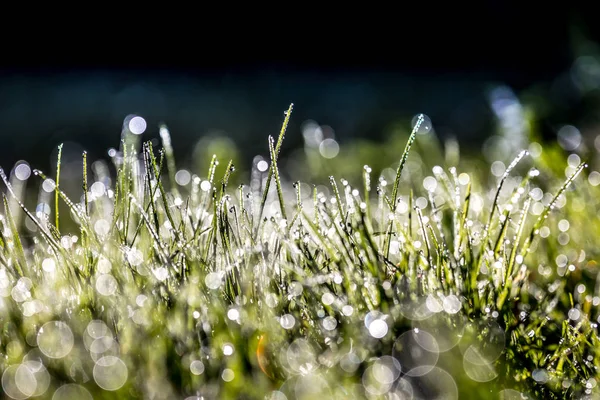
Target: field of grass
(443,278)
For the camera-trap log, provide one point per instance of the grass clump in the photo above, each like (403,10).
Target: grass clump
(453,288)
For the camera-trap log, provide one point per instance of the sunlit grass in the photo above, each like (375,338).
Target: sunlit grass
(397,288)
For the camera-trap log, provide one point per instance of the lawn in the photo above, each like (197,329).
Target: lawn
(444,276)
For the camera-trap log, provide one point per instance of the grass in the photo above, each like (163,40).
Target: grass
(458,284)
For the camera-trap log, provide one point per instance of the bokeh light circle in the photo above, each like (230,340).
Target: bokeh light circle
(55,339)
(110,373)
(72,391)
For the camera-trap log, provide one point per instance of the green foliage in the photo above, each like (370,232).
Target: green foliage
(435,281)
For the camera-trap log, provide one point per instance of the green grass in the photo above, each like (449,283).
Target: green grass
(443,281)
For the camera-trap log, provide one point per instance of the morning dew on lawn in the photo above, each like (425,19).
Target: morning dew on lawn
(420,283)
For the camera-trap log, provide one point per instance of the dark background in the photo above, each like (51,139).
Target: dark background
(356,76)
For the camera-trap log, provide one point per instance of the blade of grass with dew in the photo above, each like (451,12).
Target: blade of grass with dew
(284,126)
(275,170)
(20,260)
(513,254)
(486,229)
(57,183)
(165,137)
(411,139)
(542,218)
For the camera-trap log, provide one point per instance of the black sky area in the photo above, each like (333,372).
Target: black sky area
(356,76)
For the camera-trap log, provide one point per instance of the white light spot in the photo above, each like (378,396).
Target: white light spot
(72,391)
(137,125)
(594,178)
(573,160)
(183,177)
(347,310)
(205,186)
(569,137)
(535,149)
(102,227)
(48,265)
(104,266)
(22,171)
(213,280)
(228,375)
(25,380)
(48,185)
(519,259)
(378,328)
(563,225)
(228,349)
(536,194)
(233,314)
(97,329)
(430,183)
(394,247)
(55,339)
(421,202)
(161,273)
(197,367)
(110,373)
(106,285)
(98,189)
(464,178)
(329,148)
(451,304)
(140,300)
(135,257)
(287,321)
(498,168)
(434,304)
(574,314)
(327,299)
(271,300)
(262,165)
(329,323)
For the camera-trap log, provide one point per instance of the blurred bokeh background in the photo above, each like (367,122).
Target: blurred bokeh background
(499,70)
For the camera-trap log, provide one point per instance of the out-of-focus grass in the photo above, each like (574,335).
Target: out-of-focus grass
(409,273)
